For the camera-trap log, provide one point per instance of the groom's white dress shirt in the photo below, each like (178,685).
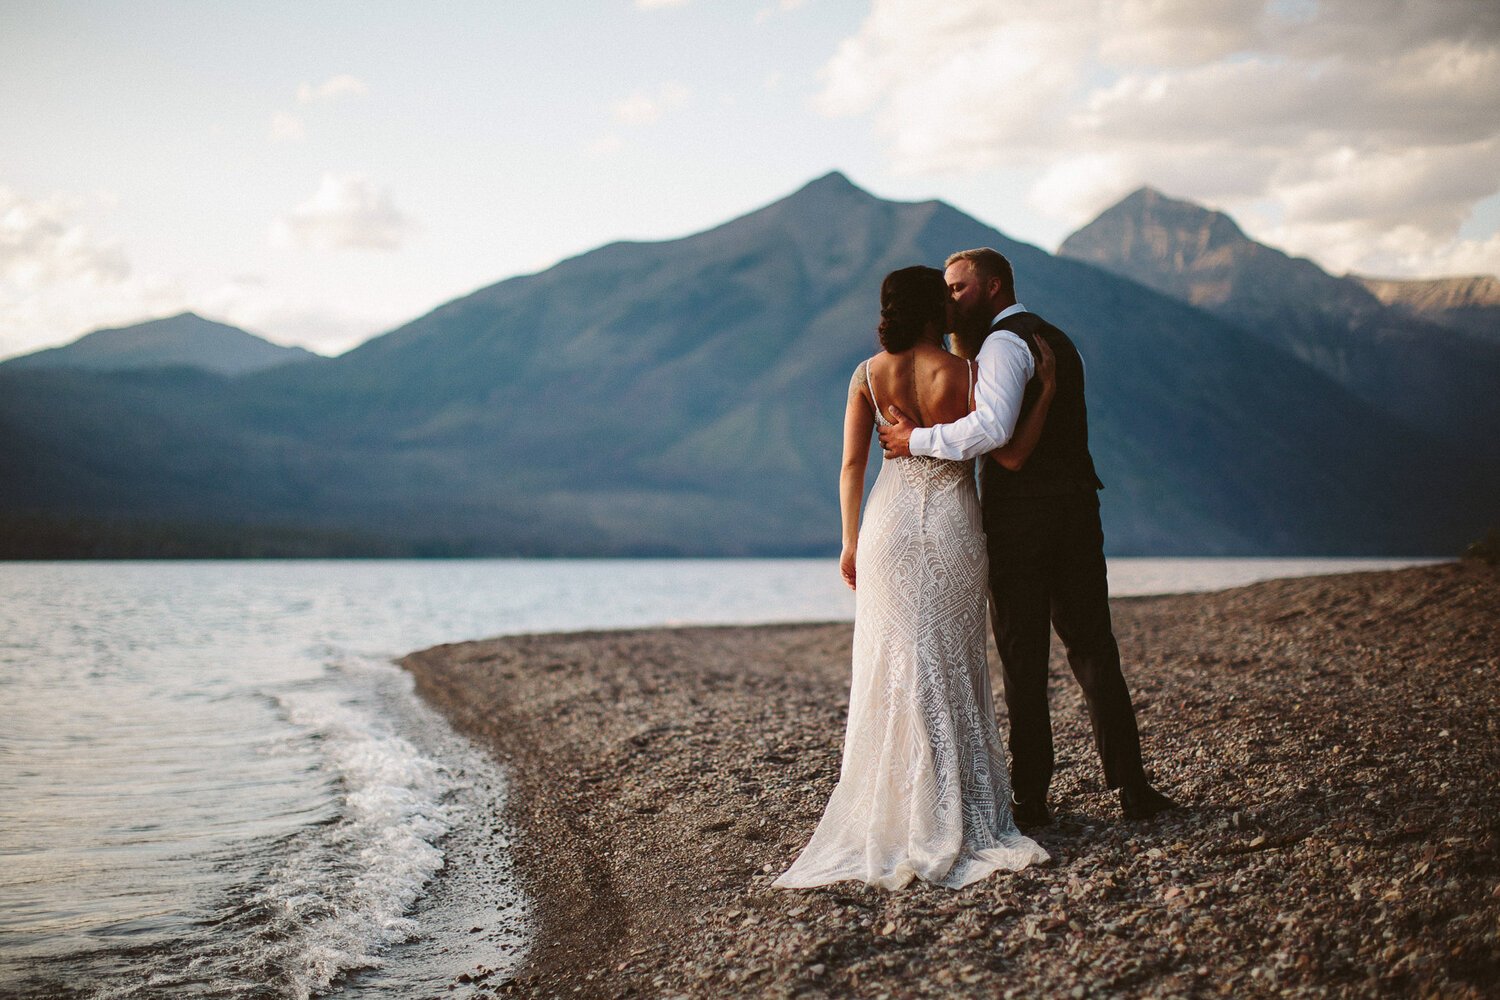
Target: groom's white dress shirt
(1005,366)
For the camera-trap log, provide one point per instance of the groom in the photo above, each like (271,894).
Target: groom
(1046,546)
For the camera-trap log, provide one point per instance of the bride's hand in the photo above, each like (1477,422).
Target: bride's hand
(846,565)
(1046,365)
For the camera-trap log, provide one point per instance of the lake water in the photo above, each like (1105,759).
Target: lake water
(215,783)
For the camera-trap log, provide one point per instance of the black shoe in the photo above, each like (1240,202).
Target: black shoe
(1030,815)
(1142,801)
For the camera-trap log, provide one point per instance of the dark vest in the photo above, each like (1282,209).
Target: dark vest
(1061,463)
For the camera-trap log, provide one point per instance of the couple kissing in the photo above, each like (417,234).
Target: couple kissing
(924,790)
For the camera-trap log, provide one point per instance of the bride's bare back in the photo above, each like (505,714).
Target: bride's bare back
(927,383)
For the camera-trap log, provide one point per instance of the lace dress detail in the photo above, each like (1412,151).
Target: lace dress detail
(923,789)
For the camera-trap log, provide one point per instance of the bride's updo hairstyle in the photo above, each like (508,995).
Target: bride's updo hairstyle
(910,299)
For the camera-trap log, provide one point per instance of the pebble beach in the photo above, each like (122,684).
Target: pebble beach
(1334,740)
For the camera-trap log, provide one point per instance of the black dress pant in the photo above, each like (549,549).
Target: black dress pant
(1047,568)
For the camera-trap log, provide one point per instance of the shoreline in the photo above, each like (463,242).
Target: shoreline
(1335,738)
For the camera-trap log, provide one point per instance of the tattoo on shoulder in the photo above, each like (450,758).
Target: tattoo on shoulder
(857,382)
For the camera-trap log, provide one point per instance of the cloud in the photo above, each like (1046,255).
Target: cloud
(659,4)
(348,211)
(286,127)
(42,243)
(606,145)
(644,108)
(58,278)
(332,89)
(779,7)
(1358,118)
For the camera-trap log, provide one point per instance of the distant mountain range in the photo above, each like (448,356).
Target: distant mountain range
(1471,304)
(186,339)
(1397,358)
(685,397)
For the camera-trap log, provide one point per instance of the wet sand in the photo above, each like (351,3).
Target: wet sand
(1336,741)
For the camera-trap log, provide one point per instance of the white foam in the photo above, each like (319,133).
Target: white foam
(341,894)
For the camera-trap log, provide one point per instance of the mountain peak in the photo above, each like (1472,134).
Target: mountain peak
(832,186)
(1166,243)
(185,323)
(183,339)
(834,180)
(1143,195)
(1150,208)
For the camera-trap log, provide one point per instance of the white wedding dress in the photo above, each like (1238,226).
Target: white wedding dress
(923,790)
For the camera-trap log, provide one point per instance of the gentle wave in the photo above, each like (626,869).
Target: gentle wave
(313,894)
(340,895)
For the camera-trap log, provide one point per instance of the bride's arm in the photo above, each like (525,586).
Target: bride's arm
(1029,431)
(859,421)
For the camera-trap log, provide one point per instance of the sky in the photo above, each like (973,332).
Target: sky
(321,173)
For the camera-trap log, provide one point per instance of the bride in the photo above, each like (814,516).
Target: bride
(923,790)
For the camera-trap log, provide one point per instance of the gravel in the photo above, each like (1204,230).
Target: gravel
(1334,740)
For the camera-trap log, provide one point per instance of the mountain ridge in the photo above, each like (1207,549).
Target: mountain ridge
(1455,292)
(685,397)
(1198,254)
(184,339)
(1470,303)
(1423,373)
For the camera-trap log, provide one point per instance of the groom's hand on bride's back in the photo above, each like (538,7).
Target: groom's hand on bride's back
(895,440)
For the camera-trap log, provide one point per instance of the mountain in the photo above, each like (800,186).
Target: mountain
(1203,257)
(685,397)
(1470,304)
(186,339)
(1422,373)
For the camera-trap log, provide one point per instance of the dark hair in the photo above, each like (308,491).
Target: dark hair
(910,299)
(988,264)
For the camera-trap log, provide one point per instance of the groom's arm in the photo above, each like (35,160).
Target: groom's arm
(1005,365)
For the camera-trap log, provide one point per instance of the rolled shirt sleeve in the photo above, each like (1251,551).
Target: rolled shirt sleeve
(1005,365)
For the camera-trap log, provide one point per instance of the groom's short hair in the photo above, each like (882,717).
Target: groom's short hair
(988,264)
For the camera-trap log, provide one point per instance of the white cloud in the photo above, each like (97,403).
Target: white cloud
(1359,118)
(59,279)
(637,109)
(286,127)
(348,211)
(1399,250)
(43,243)
(644,108)
(1460,256)
(606,145)
(780,7)
(659,4)
(332,89)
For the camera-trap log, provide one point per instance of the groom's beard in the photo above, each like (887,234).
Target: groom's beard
(971,319)
(969,330)
(970,323)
